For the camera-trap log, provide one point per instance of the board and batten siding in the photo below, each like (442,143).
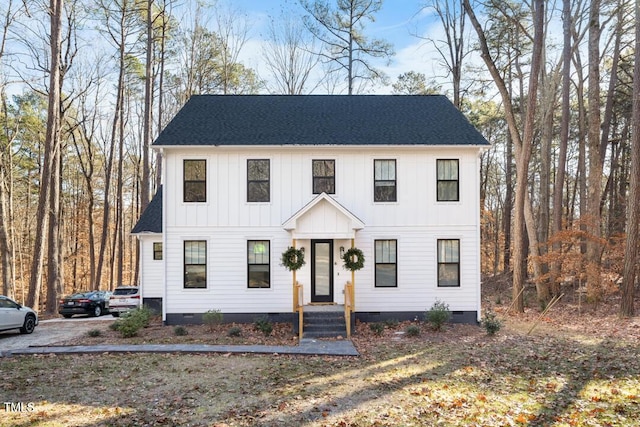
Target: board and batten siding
(226,221)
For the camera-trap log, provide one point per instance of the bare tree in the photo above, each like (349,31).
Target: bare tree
(522,144)
(340,30)
(452,50)
(289,56)
(51,154)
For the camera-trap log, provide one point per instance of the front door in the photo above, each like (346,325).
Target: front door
(322,271)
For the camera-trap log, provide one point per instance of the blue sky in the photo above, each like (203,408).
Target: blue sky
(396,23)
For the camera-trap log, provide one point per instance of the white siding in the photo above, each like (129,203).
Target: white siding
(226,221)
(151,270)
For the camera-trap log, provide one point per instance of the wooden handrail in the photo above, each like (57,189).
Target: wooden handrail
(348,305)
(298,307)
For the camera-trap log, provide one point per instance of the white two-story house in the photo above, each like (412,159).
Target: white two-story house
(247,177)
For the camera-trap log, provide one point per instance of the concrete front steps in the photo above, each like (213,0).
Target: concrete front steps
(324,321)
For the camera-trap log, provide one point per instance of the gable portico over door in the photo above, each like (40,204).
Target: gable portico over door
(322,222)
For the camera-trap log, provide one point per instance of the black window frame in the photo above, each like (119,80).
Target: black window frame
(441,182)
(157,253)
(259,182)
(186,266)
(385,264)
(318,179)
(190,192)
(443,264)
(384,183)
(261,264)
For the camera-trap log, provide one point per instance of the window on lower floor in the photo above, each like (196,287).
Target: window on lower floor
(448,180)
(157,250)
(384,180)
(324,176)
(195,264)
(386,263)
(448,262)
(258,264)
(258,180)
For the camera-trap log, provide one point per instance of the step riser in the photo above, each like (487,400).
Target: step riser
(324,325)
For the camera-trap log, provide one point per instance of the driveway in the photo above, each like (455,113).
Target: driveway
(52,331)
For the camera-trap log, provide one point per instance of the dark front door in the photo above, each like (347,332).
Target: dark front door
(322,271)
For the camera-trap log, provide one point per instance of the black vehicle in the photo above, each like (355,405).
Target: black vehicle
(93,303)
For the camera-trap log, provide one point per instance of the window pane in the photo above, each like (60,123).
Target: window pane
(323,168)
(195,170)
(195,252)
(385,275)
(258,252)
(448,169)
(195,276)
(258,191)
(448,191)
(259,276)
(258,170)
(448,251)
(385,251)
(448,275)
(323,185)
(385,169)
(385,191)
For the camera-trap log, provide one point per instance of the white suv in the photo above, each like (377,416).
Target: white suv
(123,299)
(16,316)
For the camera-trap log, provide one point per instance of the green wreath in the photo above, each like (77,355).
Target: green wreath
(353,259)
(292,259)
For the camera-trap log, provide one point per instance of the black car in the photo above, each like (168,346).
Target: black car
(93,303)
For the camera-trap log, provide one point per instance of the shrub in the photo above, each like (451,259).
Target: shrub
(180,331)
(377,328)
(94,333)
(132,321)
(412,330)
(212,318)
(438,315)
(491,323)
(234,331)
(391,323)
(264,325)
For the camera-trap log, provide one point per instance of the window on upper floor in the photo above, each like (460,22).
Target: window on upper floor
(386,263)
(157,250)
(258,264)
(324,176)
(195,264)
(384,180)
(195,180)
(258,173)
(448,181)
(448,262)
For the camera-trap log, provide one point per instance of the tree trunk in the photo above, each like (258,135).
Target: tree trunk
(594,180)
(633,208)
(148,110)
(51,144)
(558,186)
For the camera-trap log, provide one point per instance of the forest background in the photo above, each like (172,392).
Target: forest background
(86,85)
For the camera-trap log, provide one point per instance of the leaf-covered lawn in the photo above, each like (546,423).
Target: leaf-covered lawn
(459,377)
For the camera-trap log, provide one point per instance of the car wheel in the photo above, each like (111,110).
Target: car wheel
(29,324)
(67,316)
(114,314)
(97,311)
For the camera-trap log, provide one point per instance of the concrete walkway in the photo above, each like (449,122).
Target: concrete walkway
(309,347)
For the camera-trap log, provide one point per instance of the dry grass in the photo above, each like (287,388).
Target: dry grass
(573,370)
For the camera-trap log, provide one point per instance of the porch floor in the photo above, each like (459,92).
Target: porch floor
(323,308)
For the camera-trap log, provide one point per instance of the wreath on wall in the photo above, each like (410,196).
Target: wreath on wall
(292,259)
(353,259)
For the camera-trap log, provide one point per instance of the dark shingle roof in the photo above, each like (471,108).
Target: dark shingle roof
(151,219)
(319,120)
